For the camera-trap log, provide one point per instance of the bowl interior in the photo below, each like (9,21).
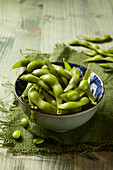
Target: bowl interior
(96,85)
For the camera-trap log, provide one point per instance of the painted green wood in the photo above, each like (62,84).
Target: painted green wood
(39,24)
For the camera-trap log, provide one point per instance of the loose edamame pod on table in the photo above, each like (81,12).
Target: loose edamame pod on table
(105,38)
(99,58)
(90,52)
(106,66)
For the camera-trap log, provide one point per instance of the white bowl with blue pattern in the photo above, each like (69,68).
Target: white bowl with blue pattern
(62,123)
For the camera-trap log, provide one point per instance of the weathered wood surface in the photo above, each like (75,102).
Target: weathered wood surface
(39,24)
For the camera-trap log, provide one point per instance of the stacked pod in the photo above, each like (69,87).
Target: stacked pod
(103,57)
(54,89)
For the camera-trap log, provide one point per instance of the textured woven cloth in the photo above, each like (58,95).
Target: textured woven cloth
(95,135)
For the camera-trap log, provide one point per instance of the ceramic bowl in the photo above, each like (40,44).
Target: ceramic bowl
(61,123)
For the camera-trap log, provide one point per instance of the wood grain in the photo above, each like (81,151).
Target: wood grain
(39,24)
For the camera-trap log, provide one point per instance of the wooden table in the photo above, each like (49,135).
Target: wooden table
(39,24)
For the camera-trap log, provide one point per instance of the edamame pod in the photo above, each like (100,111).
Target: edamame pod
(53,82)
(34,65)
(105,38)
(53,71)
(106,66)
(63,72)
(73,105)
(22,63)
(33,79)
(90,52)
(25,93)
(74,80)
(40,72)
(42,105)
(70,111)
(49,98)
(91,97)
(99,58)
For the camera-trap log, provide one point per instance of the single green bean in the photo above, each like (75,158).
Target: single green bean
(73,105)
(105,38)
(42,105)
(38,141)
(16,134)
(34,65)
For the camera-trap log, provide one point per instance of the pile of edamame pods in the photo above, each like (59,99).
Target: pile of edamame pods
(95,52)
(54,89)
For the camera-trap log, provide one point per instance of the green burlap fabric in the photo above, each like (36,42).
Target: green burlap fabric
(95,135)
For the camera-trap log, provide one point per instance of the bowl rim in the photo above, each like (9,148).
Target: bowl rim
(60,115)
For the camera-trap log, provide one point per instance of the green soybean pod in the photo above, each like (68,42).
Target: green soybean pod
(74,80)
(105,38)
(53,82)
(49,98)
(81,43)
(22,63)
(42,105)
(99,58)
(74,104)
(91,97)
(34,79)
(63,72)
(34,65)
(53,71)
(66,65)
(106,66)
(40,72)
(25,93)
(70,111)
(90,52)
